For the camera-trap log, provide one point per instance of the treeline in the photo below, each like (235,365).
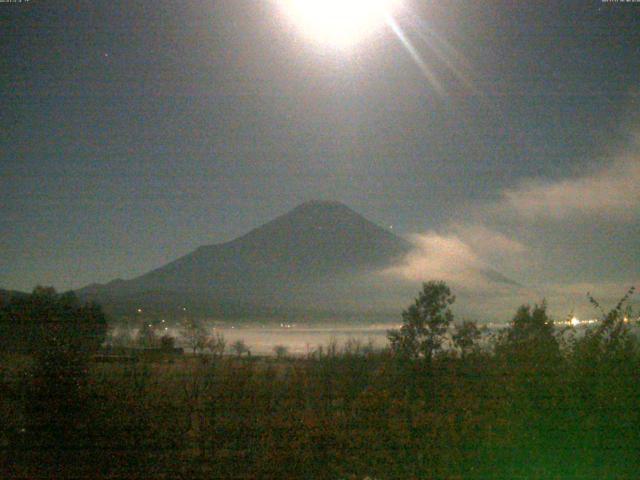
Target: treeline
(534,401)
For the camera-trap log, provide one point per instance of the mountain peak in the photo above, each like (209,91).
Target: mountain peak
(319,218)
(315,203)
(319,221)
(327,206)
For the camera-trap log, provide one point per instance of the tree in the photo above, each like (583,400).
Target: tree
(281,351)
(239,347)
(167,343)
(611,337)
(147,337)
(60,333)
(531,336)
(424,323)
(194,334)
(48,321)
(217,344)
(466,336)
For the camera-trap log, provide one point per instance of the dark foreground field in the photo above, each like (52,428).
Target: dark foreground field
(533,402)
(339,416)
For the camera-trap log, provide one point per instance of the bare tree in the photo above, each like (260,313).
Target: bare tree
(195,334)
(147,337)
(217,344)
(239,347)
(281,351)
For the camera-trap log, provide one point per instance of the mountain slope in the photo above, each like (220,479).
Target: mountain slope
(275,265)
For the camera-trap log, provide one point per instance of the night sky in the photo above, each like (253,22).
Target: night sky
(134,132)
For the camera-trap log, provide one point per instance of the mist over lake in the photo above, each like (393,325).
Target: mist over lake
(304,340)
(298,339)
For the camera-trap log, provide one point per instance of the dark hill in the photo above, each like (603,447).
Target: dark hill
(7,295)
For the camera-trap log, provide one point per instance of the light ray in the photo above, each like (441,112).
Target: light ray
(415,55)
(455,61)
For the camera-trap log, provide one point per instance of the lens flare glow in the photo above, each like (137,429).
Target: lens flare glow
(340,23)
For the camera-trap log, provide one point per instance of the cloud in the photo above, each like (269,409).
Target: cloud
(437,256)
(519,237)
(613,191)
(494,248)
(463,256)
(457,257)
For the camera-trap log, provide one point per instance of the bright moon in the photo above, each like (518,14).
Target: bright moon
(340,23)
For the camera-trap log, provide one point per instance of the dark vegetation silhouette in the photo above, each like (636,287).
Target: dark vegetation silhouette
(425,323)
(239,347)
(446,400)
(147,337)
(59,334)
